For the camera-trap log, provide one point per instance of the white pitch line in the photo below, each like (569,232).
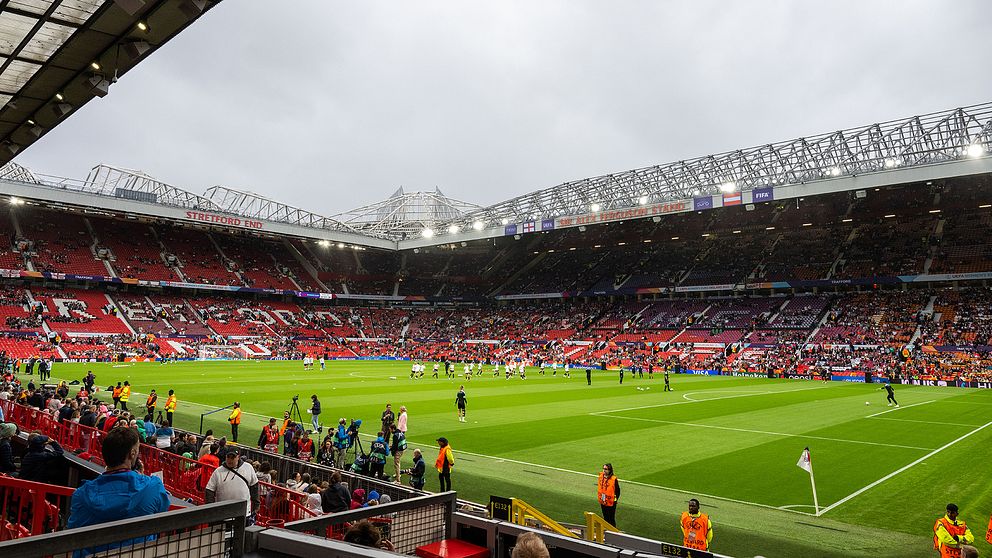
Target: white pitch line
(900,470)
(931,422)
(765,432)
(901,408)
(705,400)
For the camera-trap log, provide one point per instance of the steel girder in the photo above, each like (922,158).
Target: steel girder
(106,179)
(406,214)
(920,140)
(250,204)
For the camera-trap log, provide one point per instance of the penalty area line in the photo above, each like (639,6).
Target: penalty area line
(901,469)
(774,392)
(901,408)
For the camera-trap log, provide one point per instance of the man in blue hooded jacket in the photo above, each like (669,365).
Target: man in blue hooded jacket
(119,493)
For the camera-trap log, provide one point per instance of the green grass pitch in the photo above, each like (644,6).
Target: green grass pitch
(883,475)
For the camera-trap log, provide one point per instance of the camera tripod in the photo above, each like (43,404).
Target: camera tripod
(294,411)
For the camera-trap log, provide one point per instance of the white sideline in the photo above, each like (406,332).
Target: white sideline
(900,408)
(897,471)
(932,422)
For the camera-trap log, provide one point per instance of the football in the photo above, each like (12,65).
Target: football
(867,403)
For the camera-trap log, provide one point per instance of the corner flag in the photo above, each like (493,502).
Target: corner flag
(804,462)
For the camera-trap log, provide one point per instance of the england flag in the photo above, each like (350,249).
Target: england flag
(529,227)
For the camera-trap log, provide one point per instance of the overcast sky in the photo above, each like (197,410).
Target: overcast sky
(330,104)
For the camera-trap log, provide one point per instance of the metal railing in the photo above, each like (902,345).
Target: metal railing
(213,530)
(408,524)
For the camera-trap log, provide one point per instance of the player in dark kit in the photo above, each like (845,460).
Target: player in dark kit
(668,387)
(891,395)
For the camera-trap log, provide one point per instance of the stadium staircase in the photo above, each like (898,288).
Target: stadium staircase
(306,264)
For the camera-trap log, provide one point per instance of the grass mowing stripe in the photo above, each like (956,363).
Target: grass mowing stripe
(900,470)
(898,408)
(749,394)
(783,434)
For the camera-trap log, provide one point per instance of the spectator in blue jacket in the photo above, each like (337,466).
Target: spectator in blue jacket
(119,493)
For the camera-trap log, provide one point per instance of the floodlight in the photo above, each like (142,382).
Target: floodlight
(427,232)
(835,171)
(504,221)
(889,216)
(643,200)
(61,109)
(340,244)
(16,201)
(595,207)
(478,225)
(324,243)
(142,26)
(889,163)
(975,150)
(99,86)
(453,229)
(728,187)
(95,65)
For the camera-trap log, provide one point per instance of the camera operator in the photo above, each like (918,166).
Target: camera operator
(315,411)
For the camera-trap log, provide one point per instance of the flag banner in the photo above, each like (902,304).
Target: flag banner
(732,199)
(702,203)
(759,195)
(510,229)
(547,224)
(804,462)
(529,227)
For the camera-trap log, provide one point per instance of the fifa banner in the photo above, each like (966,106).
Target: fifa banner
(855,376)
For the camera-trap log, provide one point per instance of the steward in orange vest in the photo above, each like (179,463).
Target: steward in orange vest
(235,420)
(151,403)
(170,406)
(117,394)
(608,493)
(697,529)
(949,534)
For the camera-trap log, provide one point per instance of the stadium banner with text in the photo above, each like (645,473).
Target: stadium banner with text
(700,288)
(510,230)
(855,376)
(231,221)
(759,195)
(610,215)
(705,202)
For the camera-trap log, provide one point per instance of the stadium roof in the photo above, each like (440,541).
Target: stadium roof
(938,145)
(57,55)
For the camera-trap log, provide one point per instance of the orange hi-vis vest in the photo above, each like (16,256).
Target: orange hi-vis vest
(988,534)
(170,403)
(271,439)
(117,392)
(952,529)
(235,417)
(695,531)
(126,393)
(152,401)
(607,490)
(444,455)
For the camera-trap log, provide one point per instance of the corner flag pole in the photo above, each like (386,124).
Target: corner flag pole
(806,463)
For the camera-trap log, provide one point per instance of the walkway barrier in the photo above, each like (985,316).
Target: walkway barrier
(522,513)
(211,531)
(31,508)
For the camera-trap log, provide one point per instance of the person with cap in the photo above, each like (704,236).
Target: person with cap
(125,395)
(170,406)
(43,461)
(444,463)
(268,440)
(7,431)
(234,480)
(235,419)
(120,492)
(151,403)
(951,534)
(417,472)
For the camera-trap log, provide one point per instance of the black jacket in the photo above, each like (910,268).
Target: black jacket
(335,499)
(45,466)
(7,464)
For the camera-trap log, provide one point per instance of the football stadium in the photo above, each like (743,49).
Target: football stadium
(777,350)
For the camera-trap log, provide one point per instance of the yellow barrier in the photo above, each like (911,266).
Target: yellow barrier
(596,528)
(520,511)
